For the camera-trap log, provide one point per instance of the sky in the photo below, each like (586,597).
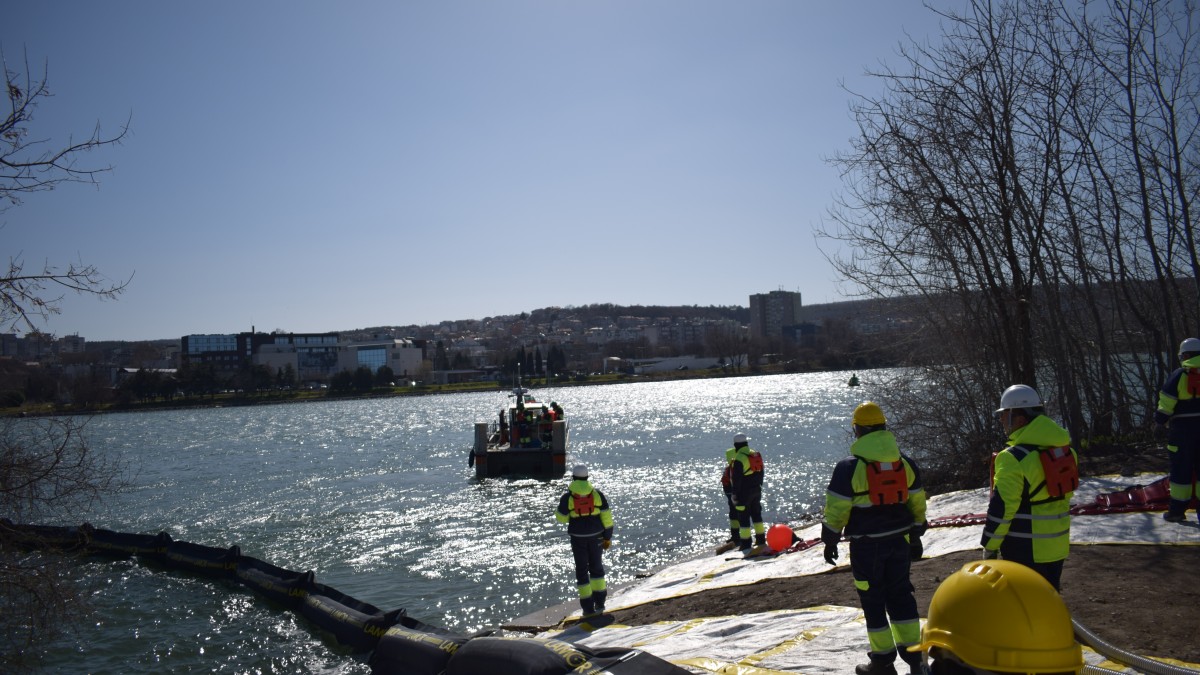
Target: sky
(317,166)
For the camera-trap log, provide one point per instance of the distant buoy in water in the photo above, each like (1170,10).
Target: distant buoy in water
(779,537)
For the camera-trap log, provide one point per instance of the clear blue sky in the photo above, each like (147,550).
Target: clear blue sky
(320,166)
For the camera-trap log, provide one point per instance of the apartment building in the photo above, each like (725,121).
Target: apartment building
(772,313)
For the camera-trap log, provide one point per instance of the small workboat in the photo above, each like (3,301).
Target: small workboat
(529,438)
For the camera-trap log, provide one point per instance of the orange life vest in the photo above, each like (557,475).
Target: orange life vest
(1061,469)
(887,482)
(584,505)
(1058,464)
(1193,382)
(756,462)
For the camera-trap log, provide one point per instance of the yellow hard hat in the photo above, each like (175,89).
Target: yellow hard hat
(869,414)
(1002,616)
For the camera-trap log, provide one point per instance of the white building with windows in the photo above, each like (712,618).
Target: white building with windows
(402,356)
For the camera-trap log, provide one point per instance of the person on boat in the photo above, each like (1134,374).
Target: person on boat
(746,482)
(546,425)
(876,496)
(1033,480)
(558,410)
(1178,418)
(589,521)
(998,616)
(526,426)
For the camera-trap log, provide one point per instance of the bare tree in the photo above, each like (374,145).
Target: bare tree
(1029,181)
(29,164)
(48,471)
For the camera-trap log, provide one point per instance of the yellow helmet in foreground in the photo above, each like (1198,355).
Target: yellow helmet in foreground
(868,414)
(1002,616)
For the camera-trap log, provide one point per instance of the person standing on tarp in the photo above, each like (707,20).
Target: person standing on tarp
(877,497)
(1178,414)
(589,521)
(1033,480)
(746,482)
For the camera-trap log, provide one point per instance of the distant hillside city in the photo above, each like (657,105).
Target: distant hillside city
(557,341)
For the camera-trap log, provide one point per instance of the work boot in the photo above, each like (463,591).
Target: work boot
(1173,517)
(876,667)
(760,539)
(915,661)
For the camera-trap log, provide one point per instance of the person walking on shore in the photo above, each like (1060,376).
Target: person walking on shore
(1178,414)
(1033,480)
(589,521)
(877,497)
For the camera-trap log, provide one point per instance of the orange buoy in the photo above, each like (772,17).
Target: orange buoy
(779,537)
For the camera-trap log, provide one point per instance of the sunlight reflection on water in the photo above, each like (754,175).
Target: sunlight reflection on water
(376,498)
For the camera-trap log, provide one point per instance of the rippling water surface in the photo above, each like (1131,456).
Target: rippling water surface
(377,499)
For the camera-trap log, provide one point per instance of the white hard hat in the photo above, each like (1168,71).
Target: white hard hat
(1189,346)
(739,438)
(1019,396)
(580,471)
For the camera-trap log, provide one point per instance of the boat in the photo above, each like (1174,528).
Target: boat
(528,438)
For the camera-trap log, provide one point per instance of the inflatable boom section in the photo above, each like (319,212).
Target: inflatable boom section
(398,644)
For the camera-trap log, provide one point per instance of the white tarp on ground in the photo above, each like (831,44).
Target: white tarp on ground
(811,641)
(701,574)
(831,639)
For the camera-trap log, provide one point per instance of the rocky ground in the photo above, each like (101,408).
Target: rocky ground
(1143,599)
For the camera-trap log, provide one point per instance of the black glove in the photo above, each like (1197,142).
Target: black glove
(1160,431)
(990,555)
(918,530)
(831,553)
(915,548)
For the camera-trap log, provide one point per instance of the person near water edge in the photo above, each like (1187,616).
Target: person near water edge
(998,616)
(876,496)
(589,521)
(1178,415)
(1033,480)
(727,489)
(746,482)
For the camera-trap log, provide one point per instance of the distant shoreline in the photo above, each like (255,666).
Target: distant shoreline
(231,400)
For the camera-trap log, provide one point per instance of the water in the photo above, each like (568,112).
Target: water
(377,499)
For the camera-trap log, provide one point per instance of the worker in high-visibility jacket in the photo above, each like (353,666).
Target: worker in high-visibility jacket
(1178,414)
(589,521)
(745,485)
(1033,480)
(877,497)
